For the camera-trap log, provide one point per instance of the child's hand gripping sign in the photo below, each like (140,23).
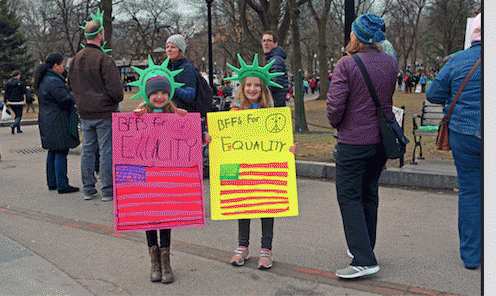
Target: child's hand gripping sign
(158,171)
(252,171)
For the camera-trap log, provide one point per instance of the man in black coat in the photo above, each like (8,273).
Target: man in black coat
(273,51)
(14,96)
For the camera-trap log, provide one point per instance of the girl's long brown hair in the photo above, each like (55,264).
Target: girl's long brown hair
(265,100)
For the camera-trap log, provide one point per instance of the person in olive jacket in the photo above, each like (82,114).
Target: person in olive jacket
(57,121)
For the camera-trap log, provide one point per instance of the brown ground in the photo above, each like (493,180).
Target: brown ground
(318,144)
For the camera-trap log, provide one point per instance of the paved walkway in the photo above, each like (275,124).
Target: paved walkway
(54,244)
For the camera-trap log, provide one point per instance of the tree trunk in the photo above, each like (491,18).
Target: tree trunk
(106,6)
(301,121)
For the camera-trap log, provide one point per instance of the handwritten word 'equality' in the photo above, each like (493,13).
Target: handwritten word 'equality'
(265,146)
(235,121)
(152,148)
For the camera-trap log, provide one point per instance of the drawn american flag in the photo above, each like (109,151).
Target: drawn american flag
(158,198)
(254,188)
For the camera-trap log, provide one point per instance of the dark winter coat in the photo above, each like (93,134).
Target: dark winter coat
(184,96)
(350,107)
(278,94)
(57,115)
(14,90)
(96,83)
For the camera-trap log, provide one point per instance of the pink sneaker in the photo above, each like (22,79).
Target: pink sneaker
(240,256)
(265,261)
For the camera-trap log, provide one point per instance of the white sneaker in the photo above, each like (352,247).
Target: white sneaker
(90,196)
(107,198)
(349,254)
(352,272)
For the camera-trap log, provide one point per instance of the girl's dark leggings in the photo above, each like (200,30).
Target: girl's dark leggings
(165,238)
(267,232)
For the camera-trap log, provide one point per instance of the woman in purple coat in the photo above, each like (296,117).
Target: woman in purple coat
(360,152)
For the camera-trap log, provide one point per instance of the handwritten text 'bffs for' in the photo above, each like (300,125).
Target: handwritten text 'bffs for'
(235,121)
(166,140)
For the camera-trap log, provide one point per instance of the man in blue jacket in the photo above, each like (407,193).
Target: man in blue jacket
(273,51)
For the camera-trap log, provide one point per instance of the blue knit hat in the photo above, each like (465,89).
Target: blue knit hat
(368,28)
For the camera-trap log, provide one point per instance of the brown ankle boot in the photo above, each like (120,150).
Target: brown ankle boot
(156,272)
(167,275)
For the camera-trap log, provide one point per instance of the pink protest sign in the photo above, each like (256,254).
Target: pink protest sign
(158,171)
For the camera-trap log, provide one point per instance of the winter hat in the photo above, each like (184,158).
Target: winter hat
(178,40)
(368,28)
(157,83)
(476,29)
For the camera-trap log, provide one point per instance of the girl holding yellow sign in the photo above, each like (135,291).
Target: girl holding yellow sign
(254,94)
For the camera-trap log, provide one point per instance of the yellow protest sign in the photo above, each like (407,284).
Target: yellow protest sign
(252,171)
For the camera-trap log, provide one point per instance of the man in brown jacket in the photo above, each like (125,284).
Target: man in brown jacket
(95,81)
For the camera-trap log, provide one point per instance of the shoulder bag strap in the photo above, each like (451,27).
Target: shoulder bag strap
(448,115)
(366,76)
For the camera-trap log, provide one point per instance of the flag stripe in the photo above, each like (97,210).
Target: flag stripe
(251,198)
(150,197)
(159,214)
(156,207)
(139,190)
(252,173)
(193,169)
(276,165)
(160,224)
(224,192)
(245,182)
(155,202)
(169,174)
(258,211)
(254,205)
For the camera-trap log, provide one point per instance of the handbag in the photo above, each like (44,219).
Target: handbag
(392,135)
(442,140)
(5,114)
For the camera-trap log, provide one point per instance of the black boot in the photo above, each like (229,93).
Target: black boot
(155,273)
(167,275)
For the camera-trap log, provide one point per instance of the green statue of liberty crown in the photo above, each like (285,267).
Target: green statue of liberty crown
(97,18)
(255,71)
(153,71)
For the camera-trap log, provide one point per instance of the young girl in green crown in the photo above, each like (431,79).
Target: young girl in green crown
(157,90)
(253,93)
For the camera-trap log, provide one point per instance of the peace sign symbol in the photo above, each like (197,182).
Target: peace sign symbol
(275,123)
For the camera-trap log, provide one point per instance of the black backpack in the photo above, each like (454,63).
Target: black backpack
(204,95)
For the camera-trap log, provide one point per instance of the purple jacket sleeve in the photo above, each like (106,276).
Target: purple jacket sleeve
(338,93)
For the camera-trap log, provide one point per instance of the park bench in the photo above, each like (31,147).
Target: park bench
(426,125)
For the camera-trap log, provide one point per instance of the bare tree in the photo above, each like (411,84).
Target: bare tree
(301,119)
(405,20)
(321,21)
(144,23)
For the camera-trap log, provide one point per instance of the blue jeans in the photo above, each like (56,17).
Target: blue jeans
(18,116)
(466,151)
(358,168)
(56,169)
(97,134)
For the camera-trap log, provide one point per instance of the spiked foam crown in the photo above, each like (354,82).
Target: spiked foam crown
(153,71)
(255,71)
(98,18)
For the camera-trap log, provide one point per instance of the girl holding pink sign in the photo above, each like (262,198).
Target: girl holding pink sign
(157,89)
